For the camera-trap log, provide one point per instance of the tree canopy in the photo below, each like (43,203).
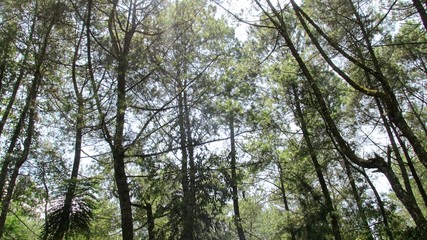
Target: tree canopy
(156,119)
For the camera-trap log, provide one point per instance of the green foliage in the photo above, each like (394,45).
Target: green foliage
(20,226)
(78,216)
(186,69)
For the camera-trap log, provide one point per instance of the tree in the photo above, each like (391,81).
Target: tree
(72,212)
(190,54)
(328,201)
(28,112)
(123,26)
(150,119)
(386,94)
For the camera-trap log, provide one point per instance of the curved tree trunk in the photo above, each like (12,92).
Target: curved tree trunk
(386,94)
(31,108)
(19,126)
(31,100)
(79,123)
(377,162)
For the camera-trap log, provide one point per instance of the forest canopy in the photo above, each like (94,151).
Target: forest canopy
(210,119)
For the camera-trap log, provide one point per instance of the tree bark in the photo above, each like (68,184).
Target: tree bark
(234,193)
(186,182)
(79,123)
(421,11)
(380,203)
(121,52)
(318,168)
(285,200)
(31,108)
(357,198)
(32,97)
(150,221)
(376,162)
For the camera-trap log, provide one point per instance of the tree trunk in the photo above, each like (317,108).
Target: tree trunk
(191,163)
(318,168)
(376,162)
(285,199)
(421,11)
(121,51)
(187,204)
(124,194)
(390,102)
(31,108)
(119,154)
(387,96)
(358,199)
(79,123)
(23,158)
(46,199)
(150,221)
(16,86)
(5,51)
(380,203)
(414,173)
(234,193)
(13,141)
(22,117)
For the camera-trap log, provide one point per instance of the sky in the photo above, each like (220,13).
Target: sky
(240,8)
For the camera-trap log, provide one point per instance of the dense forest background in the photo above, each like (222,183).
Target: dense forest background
(152,119)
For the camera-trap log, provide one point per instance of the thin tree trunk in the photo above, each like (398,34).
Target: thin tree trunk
(191,163)
(357,197)
(390,102)
(23,158)
(13,140)
(376,162)
(318,168)
(418,116)
(414,173)
(79,124)
(234,193)
(17,83)
(46,199)
(386,95)
(12,144)
(187,208)
(285,200)
(5,56)
(188,169)
(380,203)
(390,129)
(150,221)
(31,107)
